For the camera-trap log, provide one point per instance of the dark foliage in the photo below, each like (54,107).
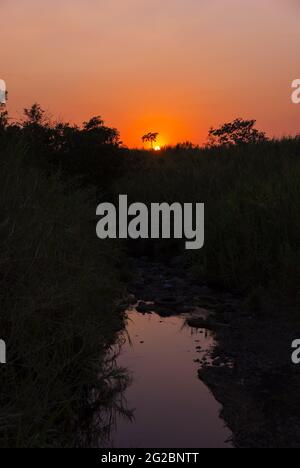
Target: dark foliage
(90,153)
(238,132)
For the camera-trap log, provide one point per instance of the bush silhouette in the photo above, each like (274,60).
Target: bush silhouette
(236,133)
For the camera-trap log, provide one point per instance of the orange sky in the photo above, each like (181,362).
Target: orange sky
(172,66)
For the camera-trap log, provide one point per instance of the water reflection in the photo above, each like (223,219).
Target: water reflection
(172,407)
(106,402)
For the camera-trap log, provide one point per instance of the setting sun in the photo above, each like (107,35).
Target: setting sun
(157,148)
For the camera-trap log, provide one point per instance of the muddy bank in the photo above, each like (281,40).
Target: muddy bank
(253,378)
(250,371)
(169,289)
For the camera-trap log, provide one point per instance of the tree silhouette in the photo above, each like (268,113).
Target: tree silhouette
(150,137)
(94,123)
(238,132)
(35,115)
(99,134)
(4,120)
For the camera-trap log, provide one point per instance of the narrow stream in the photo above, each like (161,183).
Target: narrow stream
(172,408)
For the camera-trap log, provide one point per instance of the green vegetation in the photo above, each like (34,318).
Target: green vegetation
(252,197)
(59,293)
(60,286)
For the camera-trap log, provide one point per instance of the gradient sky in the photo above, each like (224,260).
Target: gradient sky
(172,66)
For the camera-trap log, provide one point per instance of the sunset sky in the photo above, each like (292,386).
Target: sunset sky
(172,66)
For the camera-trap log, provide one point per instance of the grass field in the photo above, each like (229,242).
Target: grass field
(59,292)
(61,287)
(252,197)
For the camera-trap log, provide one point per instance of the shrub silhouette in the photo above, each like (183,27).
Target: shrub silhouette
(90,153)
(238,132)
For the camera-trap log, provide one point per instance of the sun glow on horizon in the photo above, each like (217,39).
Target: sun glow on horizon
(157,148)
(180,96)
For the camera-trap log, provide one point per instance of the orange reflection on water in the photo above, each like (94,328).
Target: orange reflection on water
(173,408)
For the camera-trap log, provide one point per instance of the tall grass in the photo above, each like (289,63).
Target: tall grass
(59,291)
(252,197)
(60,286)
